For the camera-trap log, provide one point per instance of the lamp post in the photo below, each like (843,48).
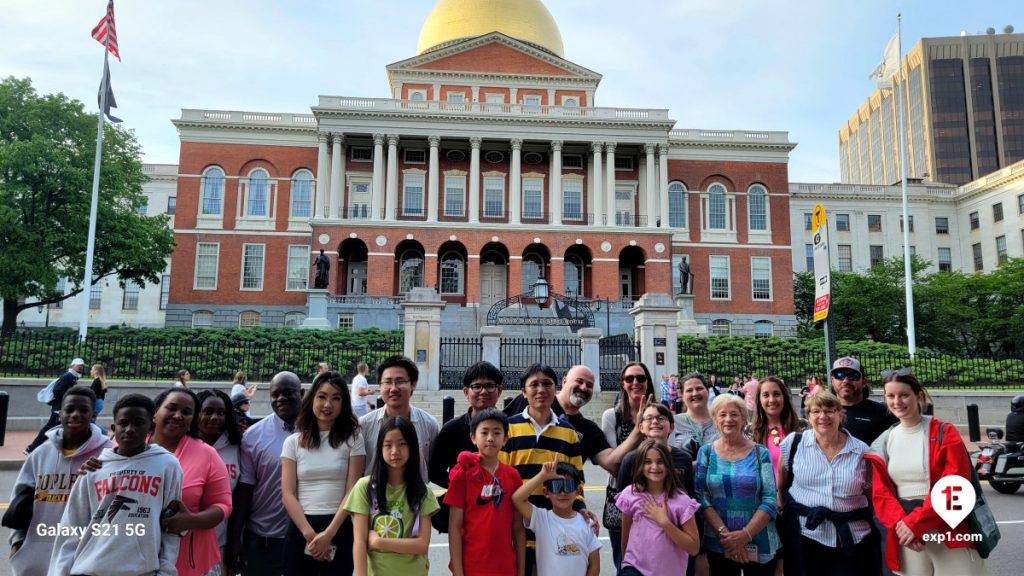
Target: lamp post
(541,291)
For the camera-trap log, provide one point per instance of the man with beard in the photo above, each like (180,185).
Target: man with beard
(257,508)
(865,419)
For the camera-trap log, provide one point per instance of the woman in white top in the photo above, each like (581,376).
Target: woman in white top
(218,427)
(319,466)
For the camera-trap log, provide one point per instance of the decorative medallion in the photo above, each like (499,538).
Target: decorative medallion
(324,239)
(606,246)
(381,240)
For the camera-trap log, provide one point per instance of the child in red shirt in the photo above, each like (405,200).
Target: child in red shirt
(482,516)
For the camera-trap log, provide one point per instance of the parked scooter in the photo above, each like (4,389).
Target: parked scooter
(1001,463)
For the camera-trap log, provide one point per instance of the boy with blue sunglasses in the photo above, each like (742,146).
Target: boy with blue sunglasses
(566,546)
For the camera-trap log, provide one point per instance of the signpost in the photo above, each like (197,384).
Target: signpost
(822,278)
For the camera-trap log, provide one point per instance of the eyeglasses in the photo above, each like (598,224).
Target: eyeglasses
(851,375)
(397,382)
(630,378)
(657,418)
(561,486)
(823,411)
(887,374)
(488,386)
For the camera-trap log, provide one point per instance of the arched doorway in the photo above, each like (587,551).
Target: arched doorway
(631,273)
(536,264)
(451,272)
(577,267)
(352,257)
(493,274)
(408,266)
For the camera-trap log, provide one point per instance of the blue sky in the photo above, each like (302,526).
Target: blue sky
(794,65)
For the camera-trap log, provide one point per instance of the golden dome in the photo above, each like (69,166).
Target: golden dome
(526,20)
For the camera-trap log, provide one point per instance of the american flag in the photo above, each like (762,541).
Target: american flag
(106,33)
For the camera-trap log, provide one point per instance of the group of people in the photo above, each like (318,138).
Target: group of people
(317,488)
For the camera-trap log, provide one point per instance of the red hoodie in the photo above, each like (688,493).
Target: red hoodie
(943,460)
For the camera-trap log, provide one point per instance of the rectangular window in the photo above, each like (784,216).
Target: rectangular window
(624,163)
(997,212)
(143,208)
(361,154)
(975,222)
(808,218)
(252,266)
(207,256)
(346,322)
(719,277)
(979,262)
(131,296)
(572,161)
(302,197)
(761,278)
(533,198)
(809,257)
(413,156)
(494,197)
(172,205)
(62,285)
(457,97)
(845,258)
(96,296)
(359,200)
(877,254)
(942,225)
(945,260)
(298,267)
(165,290)
(531,100)
(874,222)
(1020,204)
(412,198)
(843,222)
(572,199)
(1001,250)
(911,224)
(455,196)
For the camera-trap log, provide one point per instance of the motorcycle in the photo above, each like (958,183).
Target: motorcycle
(1001,463)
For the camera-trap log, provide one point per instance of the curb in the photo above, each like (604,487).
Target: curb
(8,465)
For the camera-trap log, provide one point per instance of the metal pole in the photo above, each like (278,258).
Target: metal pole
(908,279)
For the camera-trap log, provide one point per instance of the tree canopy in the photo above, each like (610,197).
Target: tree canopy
(47,151)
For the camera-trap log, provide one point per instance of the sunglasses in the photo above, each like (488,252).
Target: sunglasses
(887,374)
(560,486)
(630,378)
(846,375)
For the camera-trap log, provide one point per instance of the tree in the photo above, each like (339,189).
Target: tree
(47,150)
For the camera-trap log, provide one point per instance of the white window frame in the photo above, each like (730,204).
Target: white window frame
(242,323)
(246,196)
(728,276)
(172,205)
(948,261)
(721,322)
(421,93)
(681,190)
(407,160)
(997,210)
(364,199)
(534,185)
(532,100)
(755,261)
(262,262)
(712,193)
(346,321)
(769,324)
(96,296)
(572,161)
(461,278)
(624,164)
(165,290)
(292,194)
(204,193)
(456,98)
(196,314)
(297,268)
(130,295)
(1001,255)
(840,257)
(750,210)
(413,180)
(216,263)
(842,222)
(244,218)
(360,154)
(570,101)
(492,180)
(576,193)
(290,319)
(454,184)
(943,229)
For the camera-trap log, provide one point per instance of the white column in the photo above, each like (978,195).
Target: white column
(663,184)
(515,182)
(652,191)
(322,172)
(597,202)
(378,177)
(391,191)
(474,179)
(433,178)
(609,183)
(512,95)
(337,175)
(555,185)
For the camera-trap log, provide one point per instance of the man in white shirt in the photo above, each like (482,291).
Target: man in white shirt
(360,391)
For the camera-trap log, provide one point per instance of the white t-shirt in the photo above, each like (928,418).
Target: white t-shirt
(563,545)
(908,461)
(321,473)
(359,383)
(237,388)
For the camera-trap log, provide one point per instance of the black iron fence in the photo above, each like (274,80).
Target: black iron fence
(458,354)
(153,358)
(934,370)
(517,354)
(615,352)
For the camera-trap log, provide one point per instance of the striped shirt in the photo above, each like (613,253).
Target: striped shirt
(530,445)
(841,485)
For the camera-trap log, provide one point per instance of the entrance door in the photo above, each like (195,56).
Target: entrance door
(356,279)
(492,283)
(625,283)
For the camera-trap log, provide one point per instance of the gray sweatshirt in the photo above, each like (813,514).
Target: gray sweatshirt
(111,526)
(50,475)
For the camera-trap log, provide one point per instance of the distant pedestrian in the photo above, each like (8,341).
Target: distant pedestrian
(99,387)
(241,385)
(183,377)
(63,383)
(360,391)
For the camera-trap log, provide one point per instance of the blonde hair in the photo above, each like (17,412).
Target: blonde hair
(723,401)
(101,375)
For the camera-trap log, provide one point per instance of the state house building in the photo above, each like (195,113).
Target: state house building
(489,166)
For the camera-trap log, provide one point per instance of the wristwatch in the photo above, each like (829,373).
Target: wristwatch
(722,530)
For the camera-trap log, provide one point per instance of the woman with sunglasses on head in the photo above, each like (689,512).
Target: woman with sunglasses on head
(826,491)
(907,460)
(636,390)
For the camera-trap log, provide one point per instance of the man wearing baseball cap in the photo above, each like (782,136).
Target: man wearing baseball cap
(63,383)
(865,419)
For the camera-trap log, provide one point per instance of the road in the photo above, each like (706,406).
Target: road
(1008,509)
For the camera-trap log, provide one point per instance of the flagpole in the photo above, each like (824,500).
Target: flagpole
(908,277)
(83,324)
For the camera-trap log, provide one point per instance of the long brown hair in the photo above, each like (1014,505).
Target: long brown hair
(673,485)
(789,420)
(629,412)
(345,426)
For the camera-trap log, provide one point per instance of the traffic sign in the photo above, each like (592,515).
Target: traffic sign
(822,272)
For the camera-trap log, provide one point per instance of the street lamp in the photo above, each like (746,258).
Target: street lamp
(541,292)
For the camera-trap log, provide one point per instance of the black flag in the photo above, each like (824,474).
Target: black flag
(105,86)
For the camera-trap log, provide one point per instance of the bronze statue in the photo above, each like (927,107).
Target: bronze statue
(684,277)
(323,267)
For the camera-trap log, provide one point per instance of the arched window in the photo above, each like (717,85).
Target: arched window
(757,202)
(410,270)
(294,319)
(721,327)
(202,319)
(676,205)
(302,194)
(452,274)
(716,207)
(417,95)
(764,329)
(212,200)
(249,319)
(532,270)
(574,271)
(259,183)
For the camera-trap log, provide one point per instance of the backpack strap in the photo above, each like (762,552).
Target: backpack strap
(790,473)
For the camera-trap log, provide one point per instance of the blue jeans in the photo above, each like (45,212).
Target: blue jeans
(615,539)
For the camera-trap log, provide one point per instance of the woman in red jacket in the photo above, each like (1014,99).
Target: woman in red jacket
(907,460)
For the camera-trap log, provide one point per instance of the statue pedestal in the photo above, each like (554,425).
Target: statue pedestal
(316,304)
(687,325)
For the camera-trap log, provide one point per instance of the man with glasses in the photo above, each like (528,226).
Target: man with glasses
(865,419)
(397,377)
(481,385)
